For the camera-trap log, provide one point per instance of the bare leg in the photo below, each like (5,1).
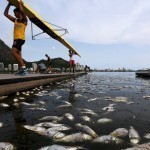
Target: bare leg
(17,54)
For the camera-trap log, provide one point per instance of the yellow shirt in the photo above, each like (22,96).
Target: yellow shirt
(19,29)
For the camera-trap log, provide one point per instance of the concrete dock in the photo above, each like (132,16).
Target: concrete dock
(10,83)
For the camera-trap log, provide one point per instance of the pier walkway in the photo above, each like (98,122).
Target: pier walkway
(10,83)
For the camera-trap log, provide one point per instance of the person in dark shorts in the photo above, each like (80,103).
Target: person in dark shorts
(71,61)
(20,23)
(49,68)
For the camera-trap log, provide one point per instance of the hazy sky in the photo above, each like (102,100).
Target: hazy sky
(107,33)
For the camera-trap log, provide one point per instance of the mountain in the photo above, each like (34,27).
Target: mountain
(7,58)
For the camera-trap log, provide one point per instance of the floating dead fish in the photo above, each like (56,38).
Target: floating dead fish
(146,97)
(17,93)
(54,134)
(77,95)
(86,129)
(145,146)
(75,138)
(51,118)
(38,108)
(104,121)
(120,99)
(48,124)
(147,136)
(59,128)
(85,118)
(69,116)
(59,97)
(4,105)
(15,100)
(60,147)
(92,99)
(134,136)
(129,103)
(34,128)
(1,124)
(28,104)
(64,106)
(21,98)
(6,146)
(42,103)
(107,139)
(120,132)
(66,102)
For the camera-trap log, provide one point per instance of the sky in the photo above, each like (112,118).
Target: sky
(107,33)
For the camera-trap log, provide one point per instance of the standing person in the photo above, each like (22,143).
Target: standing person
(49,68)
(20,23)
(72,62)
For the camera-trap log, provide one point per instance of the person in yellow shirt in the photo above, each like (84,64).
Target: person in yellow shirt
(20,23)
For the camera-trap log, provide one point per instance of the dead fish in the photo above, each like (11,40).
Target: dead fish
(77,95)
(134,136)
(120,132)
(54,134)
(3,97)
(147,136)
(28,104)
(146,97)
(86,129)
(107,139)
(38,108)
(21,98)
(42,103)
(104,121)
(60,147)
(6,146)
(64,106)
(1,124)
(48,124)
(69,116)
(85,118)
(75,138)
(145,146)
(15,100)
(66,102)
(34,128)
(59,128)
(120,99)
(51,118)
(4,105)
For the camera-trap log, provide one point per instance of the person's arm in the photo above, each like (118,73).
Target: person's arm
(22,11)
(11,18)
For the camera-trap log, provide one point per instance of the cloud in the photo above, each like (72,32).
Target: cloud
(99,21)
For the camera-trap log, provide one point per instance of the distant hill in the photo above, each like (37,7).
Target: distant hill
(6,58)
